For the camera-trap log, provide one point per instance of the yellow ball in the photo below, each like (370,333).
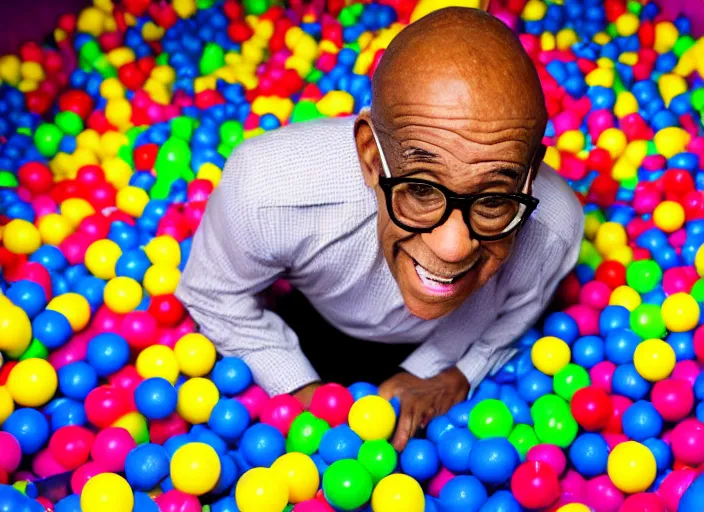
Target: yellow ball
(132,200)
(7,404)
(572,141)
(54,228)
(699,261)
(15,329)
(107,491)
(91,20)
(122,294)
(550,354)
(32,383)
(631,467)
(74,307)
(611,235)
(163,250)
(654,360)
(158,361)
(136,425)
(669,216)
(300,473)
(614,141)
(680,311)
(666,35)
(623,255)
(671,140)
(625,296)
(101,258)
(195,468)
(261,490)
(118,112)
(195,355)
(184,8)
(372,418)
(574,507)
(626,103)
(196,399)
(627,24)
(76,209)
(534,10)
(161,280)
(21,237)
(398,492)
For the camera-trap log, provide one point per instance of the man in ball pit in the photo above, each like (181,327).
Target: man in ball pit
(422,237)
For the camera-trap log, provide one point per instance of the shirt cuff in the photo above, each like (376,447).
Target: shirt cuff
(426,361)
(480,361)
(278,372)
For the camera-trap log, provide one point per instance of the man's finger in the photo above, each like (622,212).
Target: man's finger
(404,427)
(388,389)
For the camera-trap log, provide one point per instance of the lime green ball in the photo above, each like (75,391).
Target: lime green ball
(36,350)
(553,421)
(490,418)
(569,380)
(378,457)
(305,111)
(314,76)
(647,322)
(182,127)
(69,122)
(698,99)
(643,275)
(548,406)
(231,134)
(588,255)
(256,7)
(89,53)
(683,44)
(697,291)
(305,433)
(347,485)
(347,17)
(213,58)
(523,438)
(634,7)
(7,179)
(47,139)
(172,157)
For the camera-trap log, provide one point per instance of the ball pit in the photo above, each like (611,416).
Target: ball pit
(113,138)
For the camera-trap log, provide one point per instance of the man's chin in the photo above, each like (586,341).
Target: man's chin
(426,310)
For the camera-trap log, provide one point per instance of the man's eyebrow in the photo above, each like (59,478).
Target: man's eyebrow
(419,154)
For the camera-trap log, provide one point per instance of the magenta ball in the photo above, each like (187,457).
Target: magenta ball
(127,378)
(595,294)
(167,337)
(688,442)
(643,502)
(253,398)
(674,485)
(107,321)
(675,280)
(139,329)
(438,482)
(687,371)
(74,350)
(550,454)
(44,465)
(280,411)
(602,374)
(10,452)
(574,487)
(43,205)
(603,495)
(332,403)
(673,399)
(84,473)
(587,319)
(614,439)
(177,501)
(312,506)
(110,448)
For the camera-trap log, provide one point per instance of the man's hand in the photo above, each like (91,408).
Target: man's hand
(422,399)
(305,394)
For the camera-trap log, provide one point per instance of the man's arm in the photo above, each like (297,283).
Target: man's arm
(230,262)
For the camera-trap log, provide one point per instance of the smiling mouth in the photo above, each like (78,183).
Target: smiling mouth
(430,278)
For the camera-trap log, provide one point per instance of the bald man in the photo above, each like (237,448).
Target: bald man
(422,237)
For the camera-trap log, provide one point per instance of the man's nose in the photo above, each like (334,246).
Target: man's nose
(451,241)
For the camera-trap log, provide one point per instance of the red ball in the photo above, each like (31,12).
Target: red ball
(90,175)
(131,76)
(101,195)
(162,430)
(199,190)
(145,156)
(139,328)
(38,101)
(70,446)
(166,309)
(534,484)
(280,411)
(76,101)
(31,51)
(619,404)
(678,181)
(332,403)
(193,214)
(136,7)
(673,399)
(239,31)
(35,177)
(96,226)
(612,273)
(105,405)
(5,371)
(592,408)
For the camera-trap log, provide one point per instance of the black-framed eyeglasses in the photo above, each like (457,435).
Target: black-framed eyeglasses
(420,206)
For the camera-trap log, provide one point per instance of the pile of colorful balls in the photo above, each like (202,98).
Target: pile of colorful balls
(112,139)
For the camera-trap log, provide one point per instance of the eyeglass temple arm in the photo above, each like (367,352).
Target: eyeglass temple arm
(384,164)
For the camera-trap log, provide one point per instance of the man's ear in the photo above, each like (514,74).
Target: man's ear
(366,149)
(535,167)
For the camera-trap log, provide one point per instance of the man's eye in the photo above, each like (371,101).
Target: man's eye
(420,190)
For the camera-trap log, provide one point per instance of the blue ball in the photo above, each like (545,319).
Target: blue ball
(228,475)
(29,296)
(520,410)
(320,464)
(420,459)
(226,504)
(338,443)
(229,419)
(621,345)
(362,389)
(683,345)
(693,497)
(144,503)
(454,449)
(493,460)
(501,501)
(437,428)
(661,451)
(77,379)
(231,376)
(641,421)
(627,381)
(262,444)
(71,503)
(207,436)
(124,235)
(588,351)
(146,466)
(155,398)
(108,353)
(613,317)
(68,412)
(462,494)
(533,385)
(561,325)
(51,328)
(30,428)
(589,454)
(133,264)
(92,289)
(74,273)
(699,386)
(459,413)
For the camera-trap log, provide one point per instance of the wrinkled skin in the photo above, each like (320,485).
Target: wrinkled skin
(455,100)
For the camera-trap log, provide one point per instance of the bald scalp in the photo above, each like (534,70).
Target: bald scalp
(466,65)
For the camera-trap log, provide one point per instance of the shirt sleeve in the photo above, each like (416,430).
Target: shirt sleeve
(228,265)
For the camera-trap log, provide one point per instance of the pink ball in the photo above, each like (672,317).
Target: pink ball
(75,246)
(688,442)
(280,411)
(645,201)
(678,238)
(74,350)
(574,487)
(70,446)
(199,190)
(127,378)
(438,482)
(614,440)
(332,403)
(687,371)
(44,465)
(313,506)
(253,398)
(110,448)
(602,374)
(162,430)
(106,320)
(167,337)
(10,452)
(598,121)
(587,319)
(83,474)
(674,486)
(643,502)
(676,280)
(673,398)
(595,294)
(43,205)
(35,272)
(139,329)
(177,501)
(550,454)
(566,121)
(619,404)
(602,495)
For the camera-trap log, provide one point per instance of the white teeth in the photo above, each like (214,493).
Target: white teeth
(423,272)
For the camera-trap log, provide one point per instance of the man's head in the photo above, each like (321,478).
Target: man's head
(457,102)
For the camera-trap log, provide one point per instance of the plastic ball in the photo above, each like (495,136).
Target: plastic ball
(589,454)
(680,312)
(534,484)
(158,361)
(550,454)
(231,376)
(673,399)
(122,294)
(420,459)
(10,452)
(493,460)
(398,492)
(631,467)
(306,433)
(21,237)
(378,457)
(74,307)
(687,439)
(195,468)
(372,417)
(195,355)
(32,382)
(569,380)
(332,403)
(299,471)
(155,398)
(107,353)
(262,444)
(654,359)
(70,446)
(111,447)
(490,418)
(550,355)
(462,493)
(101,258)
(259,490)
(454,449)
(591,408)
(196,399)
(347,485)
(339,443)
(107,491)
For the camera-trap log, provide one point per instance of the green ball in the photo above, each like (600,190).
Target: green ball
(588,255)
(643,275)
(182,127)
(683,44)
(697,291)
(569,380)
(305,433)
(7,179)
(47,139)
(69,122)
(553,421)
(231,134)
(490,418)
(172,157)
(256,7)
(305,111)
(347,485)
(523,438)
(36,350)
(698,99)
(646,321)
(213,58)
(548,406)
(378,457)
(347,18)
(161,188)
